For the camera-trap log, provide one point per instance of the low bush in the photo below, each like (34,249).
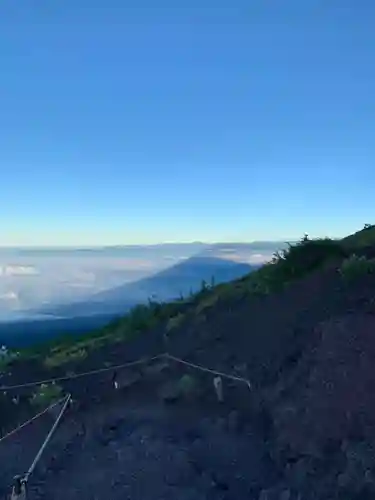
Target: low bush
(308,255)
(64,356)
(356,266)
(294,262)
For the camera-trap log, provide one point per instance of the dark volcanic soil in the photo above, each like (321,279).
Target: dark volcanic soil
(304,432)
(140,451)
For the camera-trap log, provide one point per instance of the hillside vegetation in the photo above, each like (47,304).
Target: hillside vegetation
(362,238)
(300,329)
(293,263)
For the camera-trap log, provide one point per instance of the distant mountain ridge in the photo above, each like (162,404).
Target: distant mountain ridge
(129,250)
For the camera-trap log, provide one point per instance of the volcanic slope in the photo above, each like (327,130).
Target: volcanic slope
(300,329)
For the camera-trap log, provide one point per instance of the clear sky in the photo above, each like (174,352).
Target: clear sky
(150,121)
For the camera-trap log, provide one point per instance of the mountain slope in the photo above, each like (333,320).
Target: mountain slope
(299,329)
(362,238)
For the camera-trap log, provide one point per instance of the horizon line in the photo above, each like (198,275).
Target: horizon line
(127,245)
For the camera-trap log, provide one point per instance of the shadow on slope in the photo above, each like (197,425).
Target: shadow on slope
(182,279)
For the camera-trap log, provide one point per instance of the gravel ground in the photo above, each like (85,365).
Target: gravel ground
(140,452)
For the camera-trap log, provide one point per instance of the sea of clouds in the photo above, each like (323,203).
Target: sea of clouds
(31,280)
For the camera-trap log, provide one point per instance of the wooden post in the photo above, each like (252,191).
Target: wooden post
(19,489)
(114,380)
(218,385)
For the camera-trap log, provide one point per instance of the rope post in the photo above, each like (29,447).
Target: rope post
(19,489)
(114,380)
(218,385)
(49,435)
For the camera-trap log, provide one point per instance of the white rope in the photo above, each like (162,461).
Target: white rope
(25,424)
(67,398)
(117,367)
(47,439)
(124,365)
(79,375)
(209,370)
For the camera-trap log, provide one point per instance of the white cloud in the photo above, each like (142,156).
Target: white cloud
(11,296)
(259,258)
(253,258)
(56,277)
(18,270)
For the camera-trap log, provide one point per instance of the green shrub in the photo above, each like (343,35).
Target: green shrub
(7,359)
(207,302)
(356,266)
(308,255)
(4,363)
(265,280)
(46,394)
(294,262)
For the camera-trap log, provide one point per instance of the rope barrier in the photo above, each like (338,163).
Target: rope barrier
(21,481)
(47,439)
(125,365)
(79,375)
(113,368)
(25,424)
(19,489)
(209,370)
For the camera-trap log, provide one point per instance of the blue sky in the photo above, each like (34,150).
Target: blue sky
(142,122)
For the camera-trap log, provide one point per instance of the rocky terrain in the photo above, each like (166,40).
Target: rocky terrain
(300,330)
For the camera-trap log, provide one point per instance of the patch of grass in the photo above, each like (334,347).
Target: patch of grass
(209,301)
(4,363)
(8,359)
(140,319)
(175,322)
(46,394)
(61,357)
(356,266)
(264,281)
